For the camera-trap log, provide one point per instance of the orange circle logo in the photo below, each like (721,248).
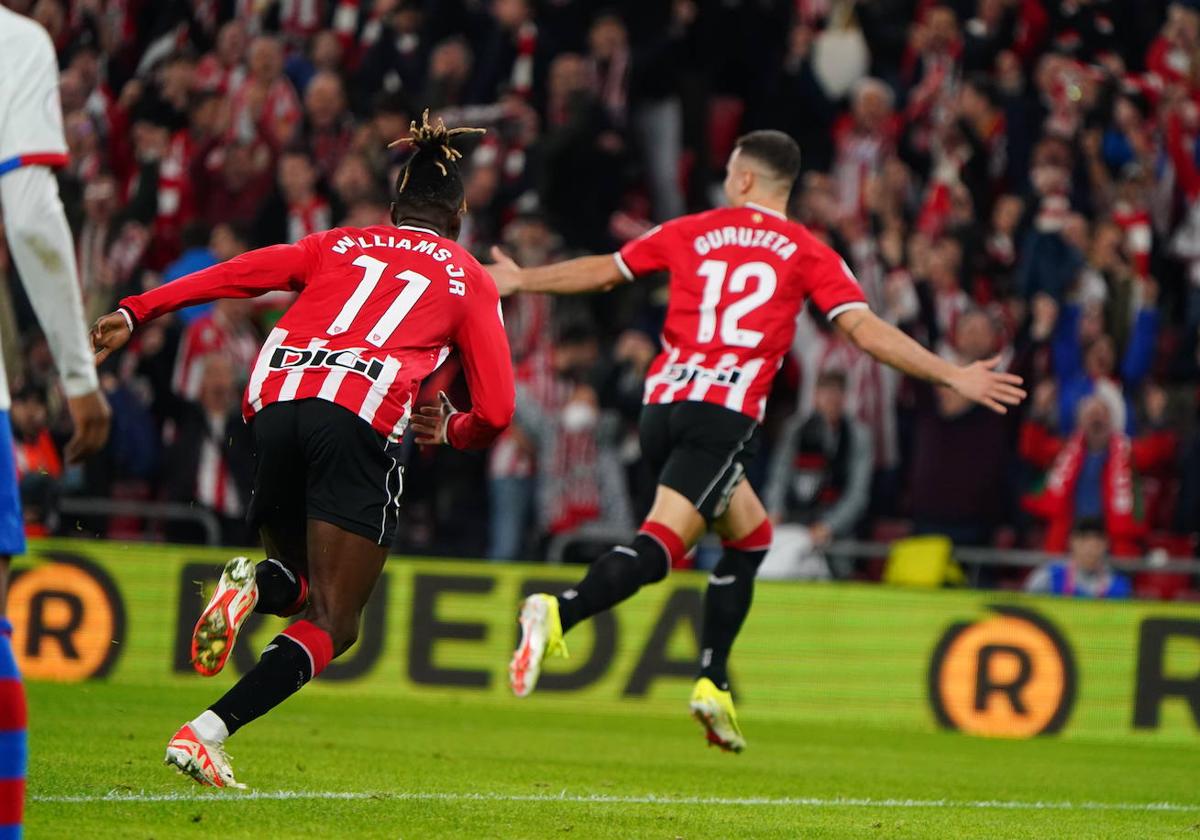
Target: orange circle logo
(1009,675)
(68,621)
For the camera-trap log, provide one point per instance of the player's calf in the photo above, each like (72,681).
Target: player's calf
(621,572)
(727,600)
(613,577)
(291,660)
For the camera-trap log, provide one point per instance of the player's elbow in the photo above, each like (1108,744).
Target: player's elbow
(496,420)
(21,222)
(33,215)
(867,334)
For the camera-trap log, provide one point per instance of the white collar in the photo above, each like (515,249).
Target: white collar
(416,227)
(766,210)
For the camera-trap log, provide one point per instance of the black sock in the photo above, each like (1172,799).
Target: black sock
(726,603)
(293,658)
(616,575)
(278,587)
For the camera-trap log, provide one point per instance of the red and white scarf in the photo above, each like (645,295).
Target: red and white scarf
(1056,502)
(522,69)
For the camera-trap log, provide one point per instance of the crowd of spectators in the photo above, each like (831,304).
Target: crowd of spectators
(1005,177)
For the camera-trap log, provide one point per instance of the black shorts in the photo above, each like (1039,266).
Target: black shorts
(317,460)
(700,450)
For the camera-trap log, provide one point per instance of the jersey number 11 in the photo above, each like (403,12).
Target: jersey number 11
(373,270)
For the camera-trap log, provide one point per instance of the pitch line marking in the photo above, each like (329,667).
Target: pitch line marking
(122,797)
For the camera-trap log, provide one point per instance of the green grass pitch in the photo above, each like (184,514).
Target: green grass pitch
(333,763)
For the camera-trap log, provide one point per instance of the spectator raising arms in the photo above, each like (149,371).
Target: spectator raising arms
(1091,474)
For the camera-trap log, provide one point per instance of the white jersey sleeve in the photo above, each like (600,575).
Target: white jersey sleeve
(31,126)
(31,140)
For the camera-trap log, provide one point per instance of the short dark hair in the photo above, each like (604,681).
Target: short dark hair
(390,103)
(29,392)
(832,378)
(1093,525)
(430,183)
(241,231)
(775,150)
(982,84)
(195,235)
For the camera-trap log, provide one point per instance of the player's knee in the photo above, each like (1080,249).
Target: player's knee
(758,541)
(743,556)
(657,549)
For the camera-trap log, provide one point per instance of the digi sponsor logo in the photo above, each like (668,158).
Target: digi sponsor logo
(285,358)
(680,373)
(68,619)
(1010,674)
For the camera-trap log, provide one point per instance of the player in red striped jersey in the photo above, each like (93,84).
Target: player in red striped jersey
(739,278)
(329,398)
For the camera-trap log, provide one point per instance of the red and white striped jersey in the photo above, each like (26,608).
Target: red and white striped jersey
(739,278)
(378,310)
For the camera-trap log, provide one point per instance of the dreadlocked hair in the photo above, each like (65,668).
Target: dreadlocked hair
(430,180)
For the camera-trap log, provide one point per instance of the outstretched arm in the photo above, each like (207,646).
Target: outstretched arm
(254,273)
(977,382)
(571,277)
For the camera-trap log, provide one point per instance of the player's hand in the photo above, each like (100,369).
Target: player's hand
(431,421)
(505,272)
(109,333)
(91,415)
(982,383)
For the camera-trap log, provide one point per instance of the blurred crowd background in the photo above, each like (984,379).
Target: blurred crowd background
(1005,177)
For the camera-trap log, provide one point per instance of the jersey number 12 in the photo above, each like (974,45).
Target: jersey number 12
(714,273)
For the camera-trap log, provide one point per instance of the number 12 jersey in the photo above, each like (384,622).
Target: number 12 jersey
(739,277)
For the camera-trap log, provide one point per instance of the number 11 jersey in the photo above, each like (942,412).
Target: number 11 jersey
(378,310)
(739,277)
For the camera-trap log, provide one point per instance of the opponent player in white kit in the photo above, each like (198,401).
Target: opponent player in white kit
(31,145)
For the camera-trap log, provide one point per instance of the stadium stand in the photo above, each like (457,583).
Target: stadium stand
(1003,176)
